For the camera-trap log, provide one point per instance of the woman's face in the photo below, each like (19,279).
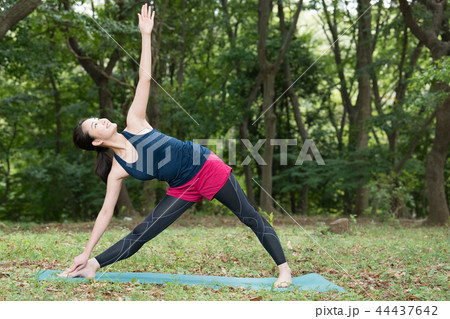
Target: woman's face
(101,129)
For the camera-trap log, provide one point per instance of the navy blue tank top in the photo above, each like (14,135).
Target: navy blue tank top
(164,157)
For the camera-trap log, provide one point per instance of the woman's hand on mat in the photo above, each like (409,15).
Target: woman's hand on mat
(79,263)
(146,18)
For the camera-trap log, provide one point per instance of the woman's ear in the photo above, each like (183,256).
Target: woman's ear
(97,142)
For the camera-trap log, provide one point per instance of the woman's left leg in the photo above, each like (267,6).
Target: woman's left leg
(163,215)
(232,196)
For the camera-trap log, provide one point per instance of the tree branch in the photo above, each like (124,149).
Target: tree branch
(428,37)
(345,92)
(263,25)
(289,36)
(20,10)
(91,66)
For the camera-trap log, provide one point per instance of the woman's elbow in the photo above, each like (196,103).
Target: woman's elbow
(145,78)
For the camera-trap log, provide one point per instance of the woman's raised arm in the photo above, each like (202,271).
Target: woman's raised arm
(136,118)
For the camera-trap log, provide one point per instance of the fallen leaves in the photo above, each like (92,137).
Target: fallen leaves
(223,259)
(412,297)
(51,289)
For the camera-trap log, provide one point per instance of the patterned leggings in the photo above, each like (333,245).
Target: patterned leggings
(170,208)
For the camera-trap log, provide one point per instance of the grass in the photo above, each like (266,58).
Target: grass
(390,261)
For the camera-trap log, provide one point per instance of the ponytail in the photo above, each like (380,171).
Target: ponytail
(103,162)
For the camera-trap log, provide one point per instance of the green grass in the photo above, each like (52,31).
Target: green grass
(381,261)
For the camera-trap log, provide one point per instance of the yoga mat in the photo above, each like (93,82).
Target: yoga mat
(307,282)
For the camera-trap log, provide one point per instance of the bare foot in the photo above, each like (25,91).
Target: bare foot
(284,279)
(87,272)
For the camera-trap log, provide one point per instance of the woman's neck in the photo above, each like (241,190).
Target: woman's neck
(118,143)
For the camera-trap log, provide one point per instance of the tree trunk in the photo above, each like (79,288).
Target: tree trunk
(295,106)
(360,113)
(437,201)
(436,38)
(265,199)
(363,102)
(268,72)
(293,201)
(304,200)
(20,10)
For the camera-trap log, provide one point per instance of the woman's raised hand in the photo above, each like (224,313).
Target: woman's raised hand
(146,18)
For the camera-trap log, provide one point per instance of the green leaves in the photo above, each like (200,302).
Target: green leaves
(268,217)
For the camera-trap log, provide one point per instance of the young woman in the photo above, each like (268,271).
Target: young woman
(191,170)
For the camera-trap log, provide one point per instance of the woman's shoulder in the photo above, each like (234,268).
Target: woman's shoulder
(138,132)
(138,127)
(117,171)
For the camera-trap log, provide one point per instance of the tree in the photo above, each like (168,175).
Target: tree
(303,132)
(360,112)
(268,71)
(101,75)
(434,33)
(242,93)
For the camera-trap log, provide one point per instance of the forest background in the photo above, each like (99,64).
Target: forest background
(366,81)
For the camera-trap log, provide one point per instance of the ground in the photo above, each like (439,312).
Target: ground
(397,260)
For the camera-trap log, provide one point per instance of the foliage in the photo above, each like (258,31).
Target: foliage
(207,63)
(53,189)
(268,217)
(384,191)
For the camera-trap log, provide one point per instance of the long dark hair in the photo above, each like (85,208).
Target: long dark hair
(84,141)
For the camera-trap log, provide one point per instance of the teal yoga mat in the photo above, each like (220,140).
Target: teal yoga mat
(307,282)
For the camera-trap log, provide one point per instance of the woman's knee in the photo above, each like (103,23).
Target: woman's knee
(251,217)
(250,222)
(140,229)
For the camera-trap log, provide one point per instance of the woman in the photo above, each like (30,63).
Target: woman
(192,171)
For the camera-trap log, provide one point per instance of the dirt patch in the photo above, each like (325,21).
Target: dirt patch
(13,265)
(187,220)
(191,220)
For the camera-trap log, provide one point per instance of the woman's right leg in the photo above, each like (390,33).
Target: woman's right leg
(232,196)
(164,214)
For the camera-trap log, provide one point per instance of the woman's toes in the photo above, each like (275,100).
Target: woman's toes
(282,284)
(73,274)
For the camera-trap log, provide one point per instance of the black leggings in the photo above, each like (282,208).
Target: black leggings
(170,208)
